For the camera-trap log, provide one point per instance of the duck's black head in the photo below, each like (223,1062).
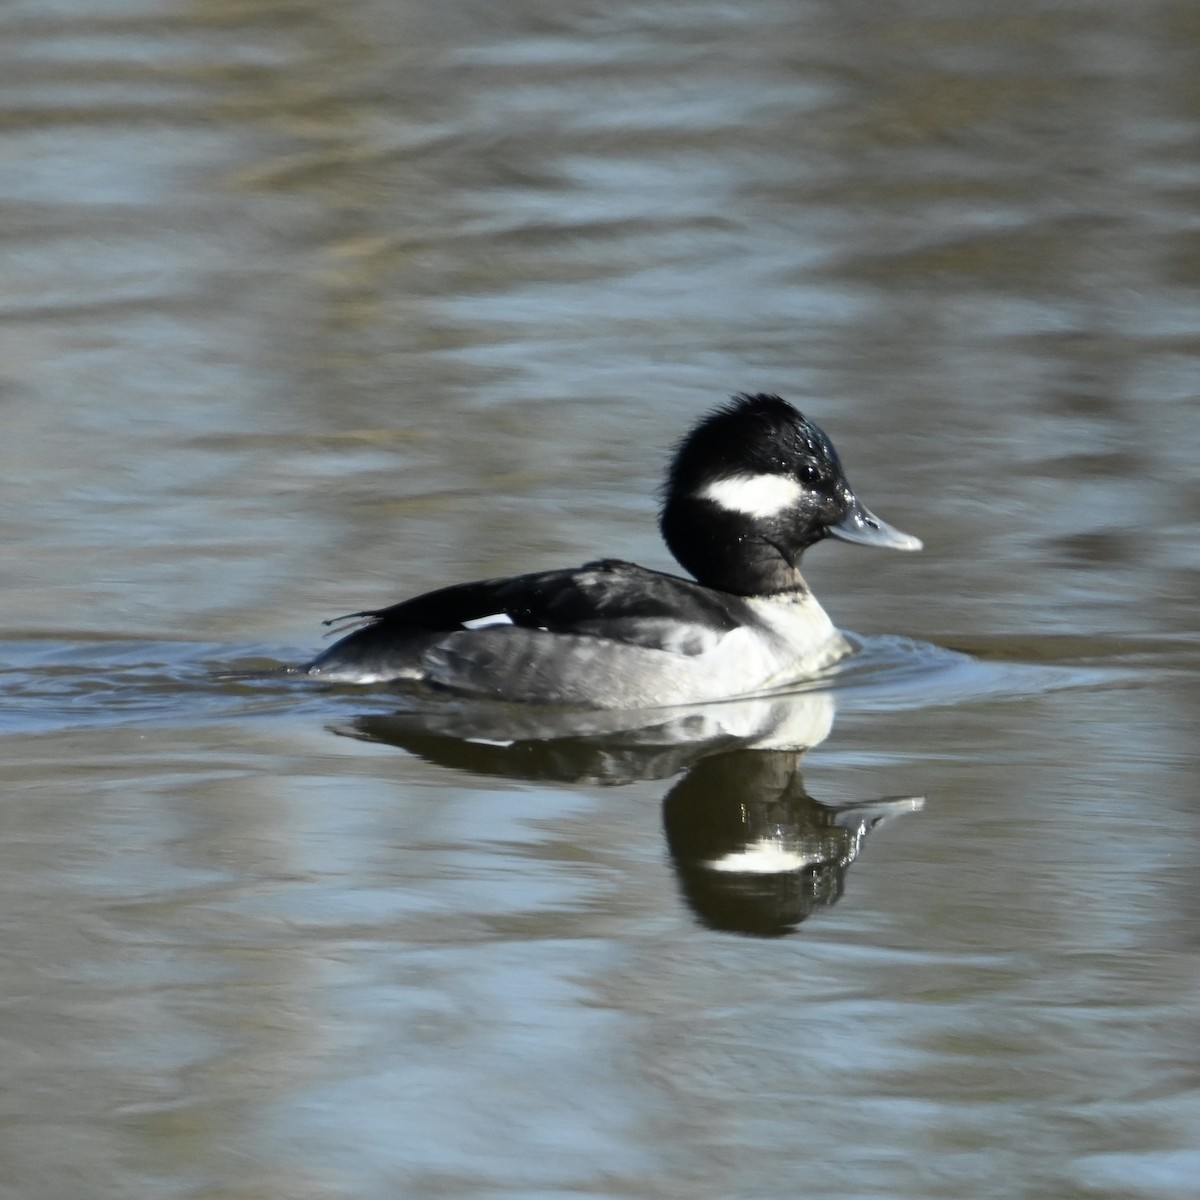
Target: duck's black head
(751,488)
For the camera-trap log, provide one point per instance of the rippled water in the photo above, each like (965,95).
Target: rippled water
(308,306)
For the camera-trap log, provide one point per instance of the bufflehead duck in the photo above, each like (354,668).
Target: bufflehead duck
(749,489)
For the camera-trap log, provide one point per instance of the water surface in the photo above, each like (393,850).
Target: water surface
(306,307)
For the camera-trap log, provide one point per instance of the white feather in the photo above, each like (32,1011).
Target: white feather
(754,495)
(487,622)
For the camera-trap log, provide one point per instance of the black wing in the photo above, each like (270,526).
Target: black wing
(610,600)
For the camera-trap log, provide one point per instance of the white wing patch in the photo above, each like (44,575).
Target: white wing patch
(488,622)
(754,495)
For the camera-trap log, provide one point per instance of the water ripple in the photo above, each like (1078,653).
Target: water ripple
(53,683)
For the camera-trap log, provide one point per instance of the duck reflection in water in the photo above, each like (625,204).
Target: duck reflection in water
(753,852)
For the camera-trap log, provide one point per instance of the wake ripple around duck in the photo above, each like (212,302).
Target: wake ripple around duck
(49,683)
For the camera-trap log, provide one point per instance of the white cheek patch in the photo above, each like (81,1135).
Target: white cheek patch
(754,495)
(488,622)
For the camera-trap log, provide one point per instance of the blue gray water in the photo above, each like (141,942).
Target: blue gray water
(308,306)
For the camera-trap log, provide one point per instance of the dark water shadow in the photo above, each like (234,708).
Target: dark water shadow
(753,852)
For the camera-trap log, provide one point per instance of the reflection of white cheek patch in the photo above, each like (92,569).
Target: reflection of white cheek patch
(754,495)
(764,857)
(488,622)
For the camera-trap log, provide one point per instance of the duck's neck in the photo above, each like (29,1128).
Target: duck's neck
(722,552)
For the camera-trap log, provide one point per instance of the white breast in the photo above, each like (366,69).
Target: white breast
(794,641)
(805,641)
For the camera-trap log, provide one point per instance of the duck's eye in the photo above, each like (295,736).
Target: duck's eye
(808,474)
